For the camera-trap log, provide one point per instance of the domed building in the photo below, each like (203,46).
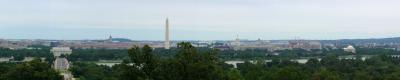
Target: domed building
(350,49)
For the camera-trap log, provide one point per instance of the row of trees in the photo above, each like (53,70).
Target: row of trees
(20,54)
(191,64)
(120,54)
(33,70)
(97,54)
(188,64)
(381,67)
(249,54)
(92,71)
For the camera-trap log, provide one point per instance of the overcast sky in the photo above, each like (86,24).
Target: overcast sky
(199,19)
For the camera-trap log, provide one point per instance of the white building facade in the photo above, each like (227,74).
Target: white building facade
(61,64)
(58,51)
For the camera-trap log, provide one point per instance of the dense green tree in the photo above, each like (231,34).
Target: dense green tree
(362,75)
(291,73)
(254,73)
(234,74)
(4,68)
(324,74)
(97,54)
(144,64)
(187,62)
(91,71)
(191,65)
(18,58)
(34,70)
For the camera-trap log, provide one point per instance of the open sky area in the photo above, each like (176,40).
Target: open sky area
(199,19)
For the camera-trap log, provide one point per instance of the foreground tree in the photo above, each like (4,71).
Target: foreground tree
(191,65)
(188,64)
(143,64)
(324,74)
(34,70)
(92,71)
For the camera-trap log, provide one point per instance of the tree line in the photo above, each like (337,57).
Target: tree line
(33,70)
(190,64)
(187,64)
(248,54)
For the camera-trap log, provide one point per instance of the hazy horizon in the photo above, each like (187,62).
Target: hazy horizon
(199,19)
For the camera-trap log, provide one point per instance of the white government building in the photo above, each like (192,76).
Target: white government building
(61,64)
(350,49)
(58,51)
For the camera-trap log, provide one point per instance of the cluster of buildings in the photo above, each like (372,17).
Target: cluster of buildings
(113,43)
(20,43)
(237,44)
(272,45)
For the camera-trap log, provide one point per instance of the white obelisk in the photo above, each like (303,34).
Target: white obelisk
(166,45)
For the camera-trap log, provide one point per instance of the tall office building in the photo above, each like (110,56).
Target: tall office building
(167,43)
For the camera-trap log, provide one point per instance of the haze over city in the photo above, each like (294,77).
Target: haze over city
(199,19)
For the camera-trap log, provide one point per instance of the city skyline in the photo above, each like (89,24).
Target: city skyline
(199,20)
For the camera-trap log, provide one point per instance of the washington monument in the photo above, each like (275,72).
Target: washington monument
(166,45)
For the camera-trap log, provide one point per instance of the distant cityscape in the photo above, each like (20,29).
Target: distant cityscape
(60,48)
(237,44)
(234,44)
